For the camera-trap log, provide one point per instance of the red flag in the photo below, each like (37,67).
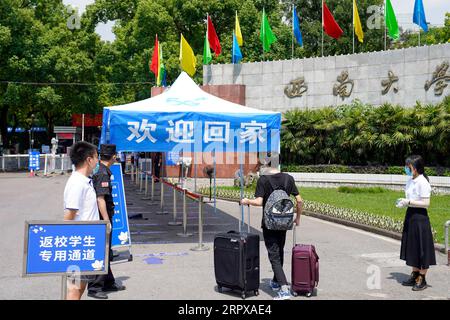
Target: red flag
(154,67)
(329,24)
(213,39)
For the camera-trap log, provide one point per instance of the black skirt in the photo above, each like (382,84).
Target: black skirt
(417,247)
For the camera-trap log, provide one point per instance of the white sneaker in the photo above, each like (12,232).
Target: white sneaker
(283,295)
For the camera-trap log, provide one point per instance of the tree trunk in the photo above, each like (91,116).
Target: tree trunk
(4,127)
(50,127)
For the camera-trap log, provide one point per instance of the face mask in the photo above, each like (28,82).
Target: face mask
(408,171)
(96,168)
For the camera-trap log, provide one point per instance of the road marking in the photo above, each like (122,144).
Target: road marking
(376,236)
(378,295)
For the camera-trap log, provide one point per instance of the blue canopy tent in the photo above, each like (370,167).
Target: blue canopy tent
(186,118)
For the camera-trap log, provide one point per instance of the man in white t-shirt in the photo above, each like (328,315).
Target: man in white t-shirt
(80,201)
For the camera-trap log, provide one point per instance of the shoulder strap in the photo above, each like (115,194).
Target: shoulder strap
(276,188)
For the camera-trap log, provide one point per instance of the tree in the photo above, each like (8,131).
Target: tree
(38,49)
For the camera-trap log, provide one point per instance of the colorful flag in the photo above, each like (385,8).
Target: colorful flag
(296,27)
(238,33)
(162,69)
(266,35)
(206,51)
(329,24)
(213,39)
(154,66)
(357,23)
(188,61)
(419,15)
(237,54)
(391,20)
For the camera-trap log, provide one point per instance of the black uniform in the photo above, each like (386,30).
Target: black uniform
(103,187)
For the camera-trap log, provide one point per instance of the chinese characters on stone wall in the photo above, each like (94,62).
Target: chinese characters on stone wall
(344,86)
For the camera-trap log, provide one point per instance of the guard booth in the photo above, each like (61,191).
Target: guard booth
(66,137)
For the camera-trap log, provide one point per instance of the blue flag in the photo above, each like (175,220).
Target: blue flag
(419,15)
(296,27)
(237,55)
(164,79)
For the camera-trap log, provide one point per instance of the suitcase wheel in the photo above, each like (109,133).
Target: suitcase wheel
(256,292)
(243,295)
(294,293)
(309,294)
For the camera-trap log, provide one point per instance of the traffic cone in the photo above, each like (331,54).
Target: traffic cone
(31,173)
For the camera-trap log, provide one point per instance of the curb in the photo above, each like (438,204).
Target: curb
(390,234)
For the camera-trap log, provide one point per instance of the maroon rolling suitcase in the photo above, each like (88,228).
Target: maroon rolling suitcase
(305,268)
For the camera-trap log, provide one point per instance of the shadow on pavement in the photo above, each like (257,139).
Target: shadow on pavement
(147,226)
(399,277)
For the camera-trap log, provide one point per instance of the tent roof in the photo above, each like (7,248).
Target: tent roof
(186,96)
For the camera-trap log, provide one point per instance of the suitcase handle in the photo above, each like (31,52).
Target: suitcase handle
(294,235)
(248,213)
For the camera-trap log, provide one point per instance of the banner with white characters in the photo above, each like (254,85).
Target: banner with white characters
(199,132)
(58,247)
(120,231)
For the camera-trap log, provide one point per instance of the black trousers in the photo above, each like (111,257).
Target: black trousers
(275,241)
(104,280)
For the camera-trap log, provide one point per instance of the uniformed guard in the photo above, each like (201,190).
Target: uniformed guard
(103,189)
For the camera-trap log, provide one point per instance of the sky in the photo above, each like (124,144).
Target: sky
(434,11)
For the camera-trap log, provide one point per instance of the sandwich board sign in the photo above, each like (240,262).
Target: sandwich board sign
(120,227)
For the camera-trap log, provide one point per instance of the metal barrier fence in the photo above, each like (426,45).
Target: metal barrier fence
(447,249)
(140,177)
(48,163)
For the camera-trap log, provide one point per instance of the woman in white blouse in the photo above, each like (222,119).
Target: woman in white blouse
(417,247)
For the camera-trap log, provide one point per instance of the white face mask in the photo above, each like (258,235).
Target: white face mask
(94,168)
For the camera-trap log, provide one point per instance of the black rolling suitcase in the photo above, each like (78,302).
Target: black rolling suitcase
(236,261)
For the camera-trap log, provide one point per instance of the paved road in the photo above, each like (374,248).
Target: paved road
(353,264)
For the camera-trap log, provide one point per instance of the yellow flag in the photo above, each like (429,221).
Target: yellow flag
(357,23)
(187,57)
(238,33)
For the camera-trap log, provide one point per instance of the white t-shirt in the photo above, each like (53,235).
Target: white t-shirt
(418,188)
(79,194)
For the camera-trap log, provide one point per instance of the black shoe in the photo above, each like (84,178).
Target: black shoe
(97,295)
(412,279)
(114,287)
(420,284)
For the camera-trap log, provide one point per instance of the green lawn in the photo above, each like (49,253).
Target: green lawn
(381,203)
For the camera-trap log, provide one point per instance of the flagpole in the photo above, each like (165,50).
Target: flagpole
(322,28)
(353,27)
(385,27)
(419,28)
(264,30)
(156,74)
(292,31)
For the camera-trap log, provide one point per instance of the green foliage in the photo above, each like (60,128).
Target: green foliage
(36,45)
(435,35)
(373,209)
(359,134)
(361,190)
(430,171)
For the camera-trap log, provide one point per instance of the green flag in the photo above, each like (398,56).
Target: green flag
(266,35)
(391,20)
(206,51)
